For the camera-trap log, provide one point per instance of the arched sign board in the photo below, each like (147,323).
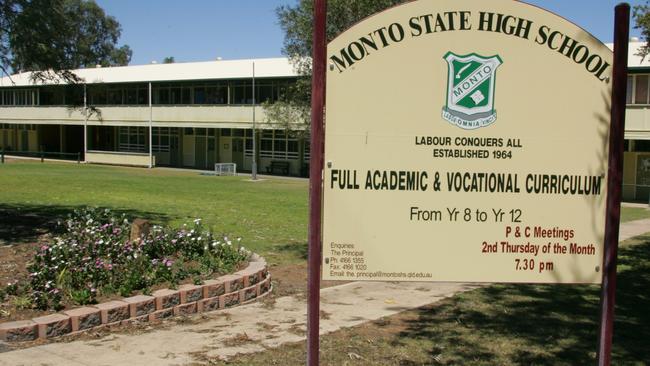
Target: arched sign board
(466,141)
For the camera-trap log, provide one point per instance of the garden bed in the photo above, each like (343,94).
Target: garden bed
(247,285)
(96,259)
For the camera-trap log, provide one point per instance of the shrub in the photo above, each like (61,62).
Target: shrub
(94,255)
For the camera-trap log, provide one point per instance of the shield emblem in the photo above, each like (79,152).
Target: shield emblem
(470,90)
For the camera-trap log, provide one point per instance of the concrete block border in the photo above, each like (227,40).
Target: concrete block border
(239,288)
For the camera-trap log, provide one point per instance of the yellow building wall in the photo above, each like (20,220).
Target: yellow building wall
(629,176)
(118,158)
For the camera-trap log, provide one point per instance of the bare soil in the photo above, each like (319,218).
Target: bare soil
(291,280)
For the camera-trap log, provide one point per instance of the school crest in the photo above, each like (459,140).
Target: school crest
(470,90)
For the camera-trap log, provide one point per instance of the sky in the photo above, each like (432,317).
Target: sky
(201,30)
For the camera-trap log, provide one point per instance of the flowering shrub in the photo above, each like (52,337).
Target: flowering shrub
(95,256)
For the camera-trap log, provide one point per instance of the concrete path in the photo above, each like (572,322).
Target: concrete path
(633,228)
(246,329)
(250,328)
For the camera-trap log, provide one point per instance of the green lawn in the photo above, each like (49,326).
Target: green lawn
(500,324)
(270,215)
(634,213)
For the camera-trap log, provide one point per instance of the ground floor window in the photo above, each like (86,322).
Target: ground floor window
(133,139)
(641,146)
(248,147)
(162,138)
(306,153)
(278,144)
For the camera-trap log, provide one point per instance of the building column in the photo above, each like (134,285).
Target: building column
(61,138)
(150,129)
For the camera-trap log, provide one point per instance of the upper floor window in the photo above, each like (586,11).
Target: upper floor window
(19,97)
(207,92)
(638,89)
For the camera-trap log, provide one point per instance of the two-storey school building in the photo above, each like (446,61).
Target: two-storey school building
(202,113)
(636,167)
(199,113)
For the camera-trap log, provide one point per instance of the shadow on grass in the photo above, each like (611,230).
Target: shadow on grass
(296,250)
(539,324)
(25,223)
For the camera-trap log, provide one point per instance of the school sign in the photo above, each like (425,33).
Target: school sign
(466,141)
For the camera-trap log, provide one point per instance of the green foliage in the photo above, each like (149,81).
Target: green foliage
(293,108)
(169,60)
(51,37)
(272,213)
(82,297)
(641,14)
(297,24)
(22,302)
(12,288)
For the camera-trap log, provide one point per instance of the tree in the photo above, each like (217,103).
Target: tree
(297,24)
(169,60)
(641,14)
(52,37)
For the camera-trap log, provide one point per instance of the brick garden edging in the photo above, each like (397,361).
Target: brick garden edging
(227,291)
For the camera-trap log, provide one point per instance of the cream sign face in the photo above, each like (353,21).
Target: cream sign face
(466,141)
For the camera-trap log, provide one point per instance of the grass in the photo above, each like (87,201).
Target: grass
(497,325)
(270,215)
(634,213)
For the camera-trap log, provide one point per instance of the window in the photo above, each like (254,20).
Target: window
(241,92)
(638,89)
(143,95)
(131,96)
(74,95)
(175,95)
(163,96)
(199,95)
(132,139)
(276,144)
(264,93)
(8,97)
(641,90)
(306,154)
(630,86)
(115,96)
(186,95)
(216,94)
(19,97)
(162,138)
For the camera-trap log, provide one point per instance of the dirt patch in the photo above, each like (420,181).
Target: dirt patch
(238,340)
(373,343)
(14,259)
(291,279)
